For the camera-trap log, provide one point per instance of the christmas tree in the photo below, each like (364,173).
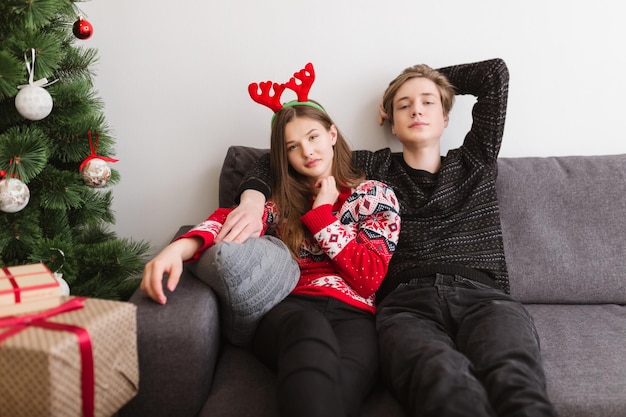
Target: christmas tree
(55,151)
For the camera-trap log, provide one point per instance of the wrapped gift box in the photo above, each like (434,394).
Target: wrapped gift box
(27,288)
(45,368)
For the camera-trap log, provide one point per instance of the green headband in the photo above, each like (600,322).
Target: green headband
(294,103)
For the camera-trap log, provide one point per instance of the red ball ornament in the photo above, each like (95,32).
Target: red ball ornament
(82,29)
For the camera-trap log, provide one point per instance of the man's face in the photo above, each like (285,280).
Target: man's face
(418,118)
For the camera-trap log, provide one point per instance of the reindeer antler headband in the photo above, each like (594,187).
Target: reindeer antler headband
(271,91)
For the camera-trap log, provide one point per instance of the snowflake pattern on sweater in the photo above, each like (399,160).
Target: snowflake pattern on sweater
(353,241)
(352,244)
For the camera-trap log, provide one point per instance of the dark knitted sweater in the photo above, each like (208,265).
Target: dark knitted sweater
(450,220)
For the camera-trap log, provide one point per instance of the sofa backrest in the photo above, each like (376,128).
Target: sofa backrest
(562,221)
(564,227)
(237,163)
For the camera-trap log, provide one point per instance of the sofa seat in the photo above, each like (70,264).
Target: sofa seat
(575,341)
(583,351)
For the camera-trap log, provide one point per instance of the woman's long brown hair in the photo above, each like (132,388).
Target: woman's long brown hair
(290,189)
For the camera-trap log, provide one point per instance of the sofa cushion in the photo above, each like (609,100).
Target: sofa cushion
(249,279)
(563,225)
(237,163)
(583,354)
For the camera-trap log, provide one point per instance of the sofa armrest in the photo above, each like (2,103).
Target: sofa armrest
(177,344)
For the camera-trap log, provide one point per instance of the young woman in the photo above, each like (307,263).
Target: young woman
(342,230)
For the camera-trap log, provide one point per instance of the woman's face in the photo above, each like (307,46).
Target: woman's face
(310,147)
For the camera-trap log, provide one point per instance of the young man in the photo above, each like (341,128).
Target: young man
(452,340)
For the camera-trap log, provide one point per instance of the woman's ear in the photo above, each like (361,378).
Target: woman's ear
(333,134)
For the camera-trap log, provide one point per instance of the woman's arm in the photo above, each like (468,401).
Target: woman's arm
(170,260)
(362,259)
(207,231)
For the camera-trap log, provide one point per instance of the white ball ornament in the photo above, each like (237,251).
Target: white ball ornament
(14,195)
(33,102)
(96,173)
(65,288)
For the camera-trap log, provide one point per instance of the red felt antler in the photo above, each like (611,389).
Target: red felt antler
(271,99)
(266,97)
(306,77)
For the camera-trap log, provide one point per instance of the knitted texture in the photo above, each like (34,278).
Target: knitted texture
(450,220)
(348,255)
(249,279)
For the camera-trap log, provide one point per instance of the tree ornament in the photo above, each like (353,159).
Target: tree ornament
(82,29)
(96,173)
(94,169)
(55,263)
(33,102)
(14,194)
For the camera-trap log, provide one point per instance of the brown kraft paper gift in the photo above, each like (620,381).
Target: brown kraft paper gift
(41,371)
(26,288)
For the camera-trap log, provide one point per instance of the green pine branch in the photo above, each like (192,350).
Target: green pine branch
(65,223)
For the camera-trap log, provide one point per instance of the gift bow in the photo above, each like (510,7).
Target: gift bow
(18,323)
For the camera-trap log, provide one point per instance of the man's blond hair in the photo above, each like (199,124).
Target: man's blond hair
(446,90)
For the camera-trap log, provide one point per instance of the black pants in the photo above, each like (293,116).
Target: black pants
(325,353)
(453,347)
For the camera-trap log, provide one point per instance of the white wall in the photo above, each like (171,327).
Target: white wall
(174,80)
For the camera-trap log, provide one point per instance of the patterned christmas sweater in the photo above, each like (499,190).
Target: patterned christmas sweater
(350,249)
(450,219)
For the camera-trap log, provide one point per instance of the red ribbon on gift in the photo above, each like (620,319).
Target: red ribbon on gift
(20,323)
(17,291)
(94,153)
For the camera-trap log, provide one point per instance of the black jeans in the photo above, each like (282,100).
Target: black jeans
(325,353)
(453,347)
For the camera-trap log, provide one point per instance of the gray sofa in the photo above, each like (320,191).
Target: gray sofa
(564,225)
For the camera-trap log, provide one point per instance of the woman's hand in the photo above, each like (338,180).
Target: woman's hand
(327,192)
(168,261)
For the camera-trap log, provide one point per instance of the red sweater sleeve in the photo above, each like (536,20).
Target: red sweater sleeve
(362,244)
(207,230)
